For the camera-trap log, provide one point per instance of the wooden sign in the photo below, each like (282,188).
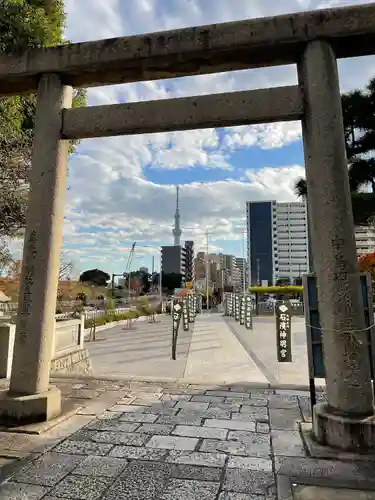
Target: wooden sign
(248,313)
(283,333)
(185,314)
(237,307)
(176,318)
(242,310)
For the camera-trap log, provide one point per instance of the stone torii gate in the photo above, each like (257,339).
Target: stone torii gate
(313,41)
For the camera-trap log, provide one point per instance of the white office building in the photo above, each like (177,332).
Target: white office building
(277,236)
(365,239)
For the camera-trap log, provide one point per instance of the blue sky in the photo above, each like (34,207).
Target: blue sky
(122,189)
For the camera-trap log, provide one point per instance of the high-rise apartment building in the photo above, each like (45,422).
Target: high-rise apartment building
(189,261)
(277,236)
(365,239)
(243,273)
(173,260)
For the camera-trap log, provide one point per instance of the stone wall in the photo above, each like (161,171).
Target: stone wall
(74,362)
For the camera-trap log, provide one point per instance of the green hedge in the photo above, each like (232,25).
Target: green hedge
(112,318)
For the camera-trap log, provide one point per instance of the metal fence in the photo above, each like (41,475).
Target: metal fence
(95,313)
(269,308)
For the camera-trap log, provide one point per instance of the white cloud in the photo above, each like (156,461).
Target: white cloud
(107,185)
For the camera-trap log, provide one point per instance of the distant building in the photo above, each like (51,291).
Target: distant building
(365,239)
(189,261)
(277,236)
(222,268)
(173,260)
(241,265)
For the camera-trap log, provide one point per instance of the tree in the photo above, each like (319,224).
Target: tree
(95,277)
(5,258)
(24,24)
(366,263)
(66,267)
(359,129)
(171,281)
(145,279)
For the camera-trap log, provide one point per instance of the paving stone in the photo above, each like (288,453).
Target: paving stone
(249,481)
(176,397)
(305,407)
(160,429)
(287,443)
(229,447)
(228,406)
(109,415)
(212,412)
(200,432)
(227,394)
(81,487)
(138,417)
(197,458)
(172,443)
(250,463)
(161,411)
(283,401)
(83,394)
(305,468)
(228,495)
(240,388)
(138,453)
(255,445)
(187,419)
(256,402)
(82,435)
(101,466)
(118,438)
(112,425)
(293,393)
(284,419)
(200,473)
(178,489)
(125,408)
(192,406)
(47,470)
(208,399)
(260,393)
(251,413)
(126,401)
(83,448)
(19,442)
(230,424)
(140,481)
(14,491)
(148,399)
(262,427)
(161,407)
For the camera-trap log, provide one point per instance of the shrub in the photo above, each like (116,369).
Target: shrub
(99,321)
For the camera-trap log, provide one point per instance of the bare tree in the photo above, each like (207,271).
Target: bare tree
(5,257)
(66,267)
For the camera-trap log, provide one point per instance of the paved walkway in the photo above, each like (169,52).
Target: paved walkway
(182,442)
(216,354)
(260,344)
(209,351)
(143,350)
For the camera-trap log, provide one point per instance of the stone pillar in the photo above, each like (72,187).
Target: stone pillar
(332,236)
(30,397)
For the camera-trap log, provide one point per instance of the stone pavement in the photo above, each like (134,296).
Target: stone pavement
(171,440)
